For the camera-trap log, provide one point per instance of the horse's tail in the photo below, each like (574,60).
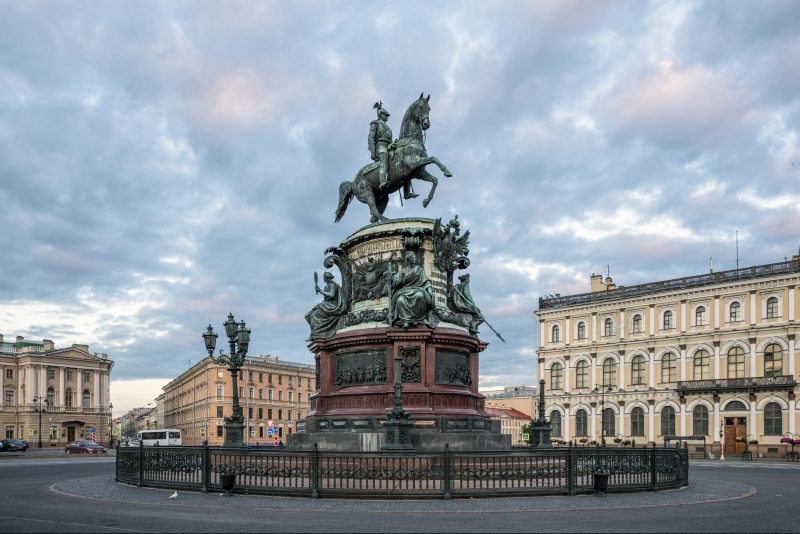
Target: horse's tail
(345,196)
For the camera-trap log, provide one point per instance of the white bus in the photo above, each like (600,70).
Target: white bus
(161,437)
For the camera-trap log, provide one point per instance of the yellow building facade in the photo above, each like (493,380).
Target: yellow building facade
(270,389)
(54,395)
(712,357)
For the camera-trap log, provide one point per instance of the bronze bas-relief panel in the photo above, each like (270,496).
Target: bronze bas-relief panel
(359,368)
(453,368)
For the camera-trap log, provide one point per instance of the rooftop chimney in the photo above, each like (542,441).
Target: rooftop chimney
(48,344)
(597,283)
(20,339)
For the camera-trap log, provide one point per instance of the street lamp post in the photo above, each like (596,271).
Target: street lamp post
(38,399)
(602,390)
(239,341)
(722,441)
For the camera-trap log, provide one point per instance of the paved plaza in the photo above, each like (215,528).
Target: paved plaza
(78,494)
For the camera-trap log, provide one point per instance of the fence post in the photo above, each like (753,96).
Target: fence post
(446,466)
(315,479)
(572,481)
(204,467)
(141,464)
(653,471)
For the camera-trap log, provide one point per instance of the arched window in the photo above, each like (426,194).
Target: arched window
(557,376)
(609,372)
(555,424)
(669,368)
(51,397)
(608,422)
(556,334)
(736,312)
(86,399)
(608,327)
(700,316)
(581,427)
(668,322)
(637,422)
(772,307)
(773,421)
(735,406)
(736,362)
(700,420)
(668,421)
(773,360)
(581,330)
(638,370)
(582,374)
(700,365)
(637,324)
(68,398)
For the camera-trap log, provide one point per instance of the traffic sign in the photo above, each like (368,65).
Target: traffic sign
(526,437)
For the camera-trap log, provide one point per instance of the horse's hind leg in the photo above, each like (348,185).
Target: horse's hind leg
(377,214)
(425,176)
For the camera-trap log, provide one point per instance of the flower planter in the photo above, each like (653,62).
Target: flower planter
(227,482)
(601,482)
(747,456)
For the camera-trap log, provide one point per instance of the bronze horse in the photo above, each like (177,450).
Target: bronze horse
(407,160)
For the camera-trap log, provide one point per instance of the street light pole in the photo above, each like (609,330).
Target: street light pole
(722,440)
(602,411)
(38,399)
(239,341)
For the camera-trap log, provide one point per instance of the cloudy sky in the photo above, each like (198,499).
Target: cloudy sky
(164,163)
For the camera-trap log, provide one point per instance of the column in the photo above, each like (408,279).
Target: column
(717,376)
(792,416)
(652,320)
(61,387)
(791,355)
(752,308)
(621,378)
(30,389)
(622,324)
(716,312)
(791,303)
(651,423)
(594,423)
(594,328)
(97,392)
(567,330)
(683,319)
(752,357)
(683,419)
(566,428)
(42,389)
(593,370)
(751,421)
(717,420)
(683,366)
(78,397)
(567,383)
(621,429)
(651,369)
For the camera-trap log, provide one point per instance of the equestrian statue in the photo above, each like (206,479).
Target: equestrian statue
(395,164)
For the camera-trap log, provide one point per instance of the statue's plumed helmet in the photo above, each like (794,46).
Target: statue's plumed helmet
(464,277)
(381,111)
(327,276)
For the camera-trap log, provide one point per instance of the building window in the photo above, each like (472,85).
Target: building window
(9,400)
(249,412)
(773,421)
(669,368)
(220,413)
(669,324)
(700,316)
(608,327)
(219,431)
(556,376)
(260,393)
(280,395)
(241,391)
(290,396)
(638,370)
(288,415)
(582,375)
(289,379)
(269,378)
(700,366)
(261,432)
(9,373)
(269,413)
(220,391)
(773,360)
(280,415)
(668,421)
(735,312)
(735,406)
(280,379)
(86,399)
(87,376)
(261,413)
(250,392)
(772,307)
(608,422)
(299,398)
(220,373)
(581,426)
(609,372)
(68,398)
(700,420)
(556,334)
(269,395)
(250,376)
(261,377)
(637,324)
(555,424)
(637,422)
(51,397)
(736,362)
(581,330)
(51,374)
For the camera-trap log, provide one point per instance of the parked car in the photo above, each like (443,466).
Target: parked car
(14,445)
(80,447)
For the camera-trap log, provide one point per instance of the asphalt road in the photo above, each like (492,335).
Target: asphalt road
(77,494)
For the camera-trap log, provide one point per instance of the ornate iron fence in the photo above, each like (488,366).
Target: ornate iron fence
(446,474)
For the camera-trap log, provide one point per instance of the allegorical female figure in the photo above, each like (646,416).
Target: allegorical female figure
(325,317)
(411,296)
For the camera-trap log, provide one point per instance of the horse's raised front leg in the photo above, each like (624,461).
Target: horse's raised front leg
(425,176)
(433,159)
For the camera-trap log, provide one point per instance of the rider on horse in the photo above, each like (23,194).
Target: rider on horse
(378,142)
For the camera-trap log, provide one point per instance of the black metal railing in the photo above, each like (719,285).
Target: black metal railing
(445,474)
(687,282)
(738,384)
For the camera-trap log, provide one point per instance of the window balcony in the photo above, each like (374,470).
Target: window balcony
(725,385)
